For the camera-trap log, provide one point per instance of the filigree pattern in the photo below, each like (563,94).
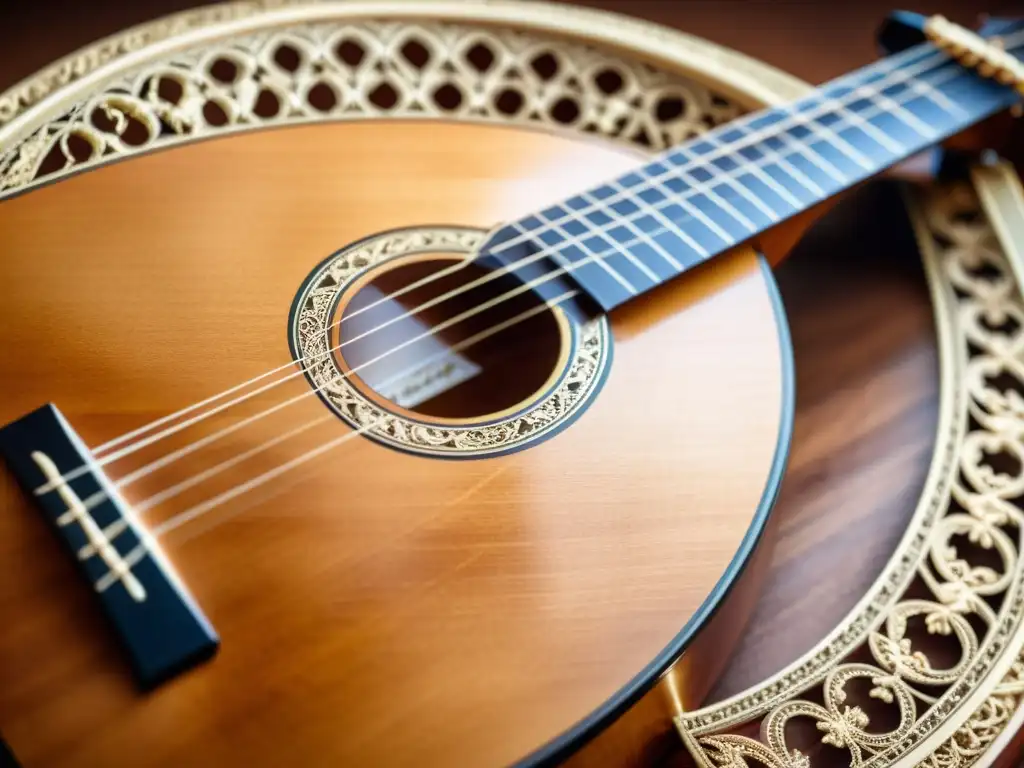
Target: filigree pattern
(331,66)
(311,339)
(970,565)
(71,68)
(984,725)
(361,71)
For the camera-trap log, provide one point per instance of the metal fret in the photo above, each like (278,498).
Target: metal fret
(726,185)
(663,178)
(755,154)
(818,127)
(599,232)
(549,227)
(870,129)
(691,209)
(707,185)
(800,148)
(869,97)
(645,237)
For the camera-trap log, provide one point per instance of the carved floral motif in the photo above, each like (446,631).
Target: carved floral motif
(969,565)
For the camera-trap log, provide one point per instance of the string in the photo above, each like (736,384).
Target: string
(185,424)
(891,62)
(886,82)
(170,417)
(749,139)
(144,505)
(123,482)
(193,512)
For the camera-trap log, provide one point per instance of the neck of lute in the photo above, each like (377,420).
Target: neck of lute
(731,184)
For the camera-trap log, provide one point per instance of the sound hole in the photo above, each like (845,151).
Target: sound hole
(475,352)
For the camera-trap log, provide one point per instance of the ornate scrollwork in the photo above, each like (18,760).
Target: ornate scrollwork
(311,340)
(969,589)
(961,550)
(362,70)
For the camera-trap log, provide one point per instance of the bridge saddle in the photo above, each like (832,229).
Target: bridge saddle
(159,625)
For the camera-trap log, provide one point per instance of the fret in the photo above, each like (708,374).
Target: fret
(692,247)
(704,181)
(814,167)
(820,125)
(868,98)
(586,227)
(723,187)
(653,234)
(663,253)
(856,122)
(819,171)
(757,155)
(574,254)
(916,83)
(674,244)
(918,98)
(690,204)
(677,180)
(708,237)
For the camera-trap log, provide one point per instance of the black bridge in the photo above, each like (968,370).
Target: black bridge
(157,621)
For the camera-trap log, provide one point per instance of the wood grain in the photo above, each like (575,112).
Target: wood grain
(857,303)
(375,607)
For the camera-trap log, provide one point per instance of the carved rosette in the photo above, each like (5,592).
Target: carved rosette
(262,63)
(311,338)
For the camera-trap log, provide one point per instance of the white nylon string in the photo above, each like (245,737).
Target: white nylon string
(238,490)
(890,63)
(140,508)
(145,504)
(886,82)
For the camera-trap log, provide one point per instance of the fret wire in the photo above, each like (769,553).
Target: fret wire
(813,157)
(923,88)
(795,147)
(654,244)
(598,231)
(753,199)
(919,86)
(816,127)
(693,210)
(758,171)
(728,208)
(911,120)
(795,173)
(573,240)
(925,55)
(670,226)
(709,190)
(869,128)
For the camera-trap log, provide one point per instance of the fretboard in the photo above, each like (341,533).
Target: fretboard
(725,187)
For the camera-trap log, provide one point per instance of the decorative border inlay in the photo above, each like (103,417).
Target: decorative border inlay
(106,102)
(311,341)
(364,70)
(967,585)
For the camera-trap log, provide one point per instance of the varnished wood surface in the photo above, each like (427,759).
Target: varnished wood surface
(375,607)
(857,303)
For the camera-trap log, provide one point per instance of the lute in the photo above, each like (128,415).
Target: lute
(344,472)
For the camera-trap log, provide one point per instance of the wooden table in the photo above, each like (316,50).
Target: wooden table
(854,289)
